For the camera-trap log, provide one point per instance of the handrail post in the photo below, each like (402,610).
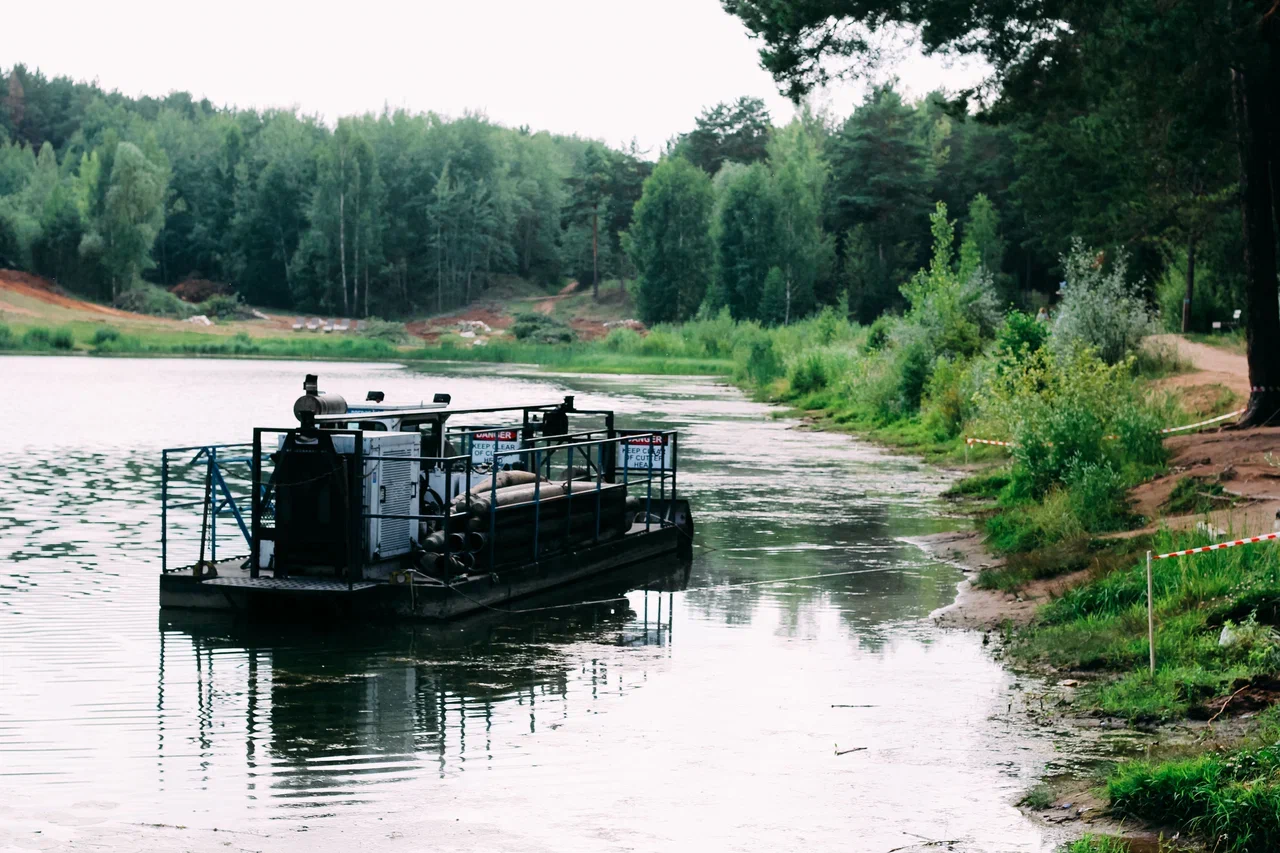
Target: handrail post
(164,511)
(213,505)
(675,445)
(537,498)
(648,501)
(255,506)
(448,503)
(599,474)
(493,506)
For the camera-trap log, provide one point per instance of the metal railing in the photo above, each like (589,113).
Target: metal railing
(213,483)
(226,487)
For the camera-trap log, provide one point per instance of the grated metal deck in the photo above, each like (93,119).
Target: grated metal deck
(291,584)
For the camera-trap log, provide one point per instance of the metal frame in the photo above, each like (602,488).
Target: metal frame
(221,500)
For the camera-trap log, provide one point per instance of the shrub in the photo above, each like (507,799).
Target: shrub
(1059,410)
(878,333)
(105,335)
(383,330)
(1099,308)
(541,328)
(224,307)
(145,298)
(1020,335)
(63,339)
(948,398)
(37,337)
(762,364)
(7,340)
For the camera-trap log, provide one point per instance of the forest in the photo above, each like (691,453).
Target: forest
(398,214)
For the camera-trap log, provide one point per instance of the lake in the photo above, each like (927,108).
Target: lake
(705,717)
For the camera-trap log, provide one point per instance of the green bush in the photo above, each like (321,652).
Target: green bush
(7,339)
(541,328)
(37,338)
(105,335)
(878,332)
(1020,335)
(145,298)
(223,307)
(62,338)
(383,330)
(762,364)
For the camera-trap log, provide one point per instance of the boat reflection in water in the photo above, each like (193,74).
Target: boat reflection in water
(326,711)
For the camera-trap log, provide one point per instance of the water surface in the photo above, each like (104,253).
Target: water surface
(704,717)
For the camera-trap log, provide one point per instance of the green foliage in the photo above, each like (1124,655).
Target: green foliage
(1097,844)
(146,298)
(1100,308)
(222,307)
(377,329)
(670,241)
(747,234)
(541,328)
(7,338)
(1231,799)
(1020,335)
(105,335)
(1060,409)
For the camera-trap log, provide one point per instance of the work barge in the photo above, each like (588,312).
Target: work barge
(389,511)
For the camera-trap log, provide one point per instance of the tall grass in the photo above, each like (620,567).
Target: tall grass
(1231,800)
(1102,625)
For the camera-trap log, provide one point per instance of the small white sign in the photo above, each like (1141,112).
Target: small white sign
(634,454)
(485,444)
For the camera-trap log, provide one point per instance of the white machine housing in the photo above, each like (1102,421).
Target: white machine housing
(390,488)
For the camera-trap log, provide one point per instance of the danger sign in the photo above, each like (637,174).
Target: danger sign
(484,445)
(634,453)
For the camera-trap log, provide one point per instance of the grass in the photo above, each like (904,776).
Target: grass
(1038,798)
(1230,799)
(1097,844)
(1102,624)
(1194,496)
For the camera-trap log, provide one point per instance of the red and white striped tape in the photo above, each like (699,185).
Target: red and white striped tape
(1165,431)
(1204,423)
(1252,539)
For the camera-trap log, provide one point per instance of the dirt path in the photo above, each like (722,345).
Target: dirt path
(1213,365)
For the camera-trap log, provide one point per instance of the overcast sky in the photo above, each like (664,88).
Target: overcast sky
(600,68)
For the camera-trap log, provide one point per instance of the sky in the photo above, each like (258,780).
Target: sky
(604,69)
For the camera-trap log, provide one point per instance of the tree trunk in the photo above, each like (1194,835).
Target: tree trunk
(342,244)
(1191,285)
(366,288)
(1262,323)
(595,269)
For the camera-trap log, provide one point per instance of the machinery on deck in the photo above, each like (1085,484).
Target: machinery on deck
(417,510)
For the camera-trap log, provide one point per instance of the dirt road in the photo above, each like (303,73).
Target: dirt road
(1214,366)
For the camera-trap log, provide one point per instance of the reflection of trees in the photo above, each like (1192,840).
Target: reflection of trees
(339,703)
(891,581)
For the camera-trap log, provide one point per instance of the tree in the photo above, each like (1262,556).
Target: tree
(1228,74)
(727,133)
(670,241)
(588,197)
(132,215)
(800,179)
(982,247)
(880,184)
(747,234)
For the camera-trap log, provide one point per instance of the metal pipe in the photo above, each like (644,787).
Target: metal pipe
(1151,619)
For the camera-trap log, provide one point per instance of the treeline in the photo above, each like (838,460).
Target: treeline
(382,214)
(399,213)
